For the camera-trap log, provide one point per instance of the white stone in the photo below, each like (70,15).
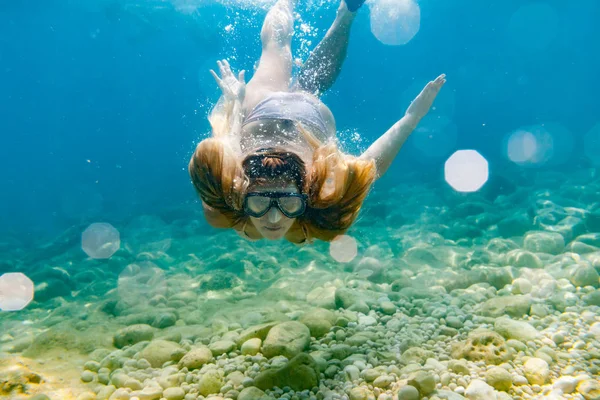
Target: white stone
(544,242)
(352,373)
(479,390)
(521,286)
(367,320)
(545,289)
(251,346)
(536,371)
(519,330)
(595,329)
(565,384)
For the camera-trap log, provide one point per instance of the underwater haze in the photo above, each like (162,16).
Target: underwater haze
(472,271)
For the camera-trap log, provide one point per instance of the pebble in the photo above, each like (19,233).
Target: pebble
(521,286)
(93,366)
(499,378)
(383,381)
(340,335)
(479,390)
(367,320)
(174,393)
(247,382)
(370,375)
(359,393)
(352,373)
(536,371)
(196,358)
(251,347)
(454,322)
(388,308)
(423,381)
(120,394)
(589,389)
(133,384)
(251,393)
(87,376)
(221,347)
(566,384)
(408,393)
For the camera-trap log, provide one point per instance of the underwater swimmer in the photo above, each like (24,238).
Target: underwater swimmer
(271,168)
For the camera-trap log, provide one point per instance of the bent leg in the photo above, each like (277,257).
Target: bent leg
(275,66)
(325,62)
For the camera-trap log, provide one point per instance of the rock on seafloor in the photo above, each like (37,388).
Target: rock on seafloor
(299,374)
(484,301)
(287,339)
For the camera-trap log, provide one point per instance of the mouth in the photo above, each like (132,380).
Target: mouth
(272,229)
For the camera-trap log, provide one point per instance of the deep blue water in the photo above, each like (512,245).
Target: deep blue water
(102,102)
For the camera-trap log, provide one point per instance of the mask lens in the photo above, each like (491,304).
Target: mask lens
(291,205)
(258,204)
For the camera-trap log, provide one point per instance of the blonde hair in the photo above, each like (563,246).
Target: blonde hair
(336,185)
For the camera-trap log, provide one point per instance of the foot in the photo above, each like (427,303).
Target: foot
(353,5)
(421,105)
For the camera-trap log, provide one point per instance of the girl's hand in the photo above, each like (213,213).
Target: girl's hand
(421,105)
(233,88)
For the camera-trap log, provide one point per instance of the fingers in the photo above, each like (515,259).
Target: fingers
(225,68)
(436,84)
(222,69)
(440,80)
(214,74)
(226,74)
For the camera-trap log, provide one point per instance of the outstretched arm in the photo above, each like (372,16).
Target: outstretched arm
(234,91)
(385,149)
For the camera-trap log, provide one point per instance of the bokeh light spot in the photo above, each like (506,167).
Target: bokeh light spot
(534,26)
(16,291)
(343,248)
(100,240)
(522,146)
(466,171)
(140,282)
(591,145)
(538,145)
(395,22)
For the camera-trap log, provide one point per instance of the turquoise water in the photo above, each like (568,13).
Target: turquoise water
(471,272)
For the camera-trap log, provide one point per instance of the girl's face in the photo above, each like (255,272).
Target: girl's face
(274,224)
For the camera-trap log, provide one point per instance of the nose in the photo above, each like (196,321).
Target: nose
(274,215)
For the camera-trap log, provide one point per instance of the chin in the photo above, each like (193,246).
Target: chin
(273,235)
